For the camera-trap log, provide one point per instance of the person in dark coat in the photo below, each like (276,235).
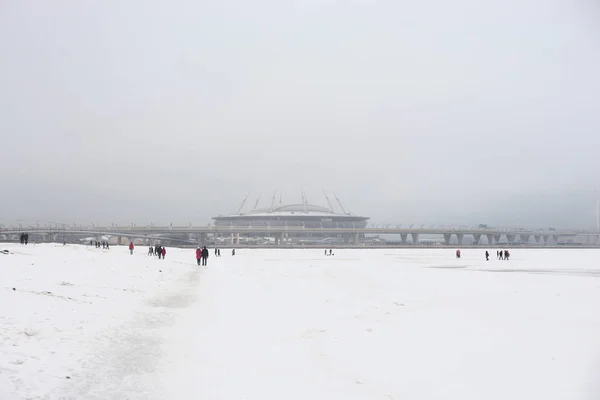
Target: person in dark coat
(204,255)
(487,255)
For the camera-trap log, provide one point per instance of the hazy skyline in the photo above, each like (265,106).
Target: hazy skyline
(429,112)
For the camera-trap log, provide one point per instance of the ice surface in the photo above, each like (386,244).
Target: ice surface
(87,323)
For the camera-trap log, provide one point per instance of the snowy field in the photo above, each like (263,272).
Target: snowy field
(83,323)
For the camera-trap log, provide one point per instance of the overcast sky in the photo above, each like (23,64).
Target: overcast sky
(461,111)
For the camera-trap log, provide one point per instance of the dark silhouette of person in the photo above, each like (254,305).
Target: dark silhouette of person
(204,255)
(487,256)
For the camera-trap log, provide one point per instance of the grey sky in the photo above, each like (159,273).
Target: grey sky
(433,111)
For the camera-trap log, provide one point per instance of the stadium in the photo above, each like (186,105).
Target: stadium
(302,214)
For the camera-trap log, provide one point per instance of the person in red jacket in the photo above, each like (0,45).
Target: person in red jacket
(164,252)
(198,255)
(131,247)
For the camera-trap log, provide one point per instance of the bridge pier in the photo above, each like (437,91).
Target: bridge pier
(510,238)
(237,238)
(490,239)
(546,238)
(524,237)
(447,237)
(403,237)
(497,238)
(537,239)
(476,238)
(555,239)
(459,238)
(356,238)
(232,238)
(415,238)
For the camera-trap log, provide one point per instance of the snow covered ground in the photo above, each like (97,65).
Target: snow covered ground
(83,323)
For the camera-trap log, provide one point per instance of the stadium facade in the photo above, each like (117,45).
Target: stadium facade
(303,214)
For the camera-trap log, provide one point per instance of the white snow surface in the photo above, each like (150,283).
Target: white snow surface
(87,323)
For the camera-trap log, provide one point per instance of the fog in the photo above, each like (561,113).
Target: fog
(431,112)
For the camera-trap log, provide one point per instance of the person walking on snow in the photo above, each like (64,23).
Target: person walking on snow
(131,247)
(487,256)
(198,255)
(164,252)
(204,255)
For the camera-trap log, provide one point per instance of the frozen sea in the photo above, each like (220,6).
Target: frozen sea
(78,322)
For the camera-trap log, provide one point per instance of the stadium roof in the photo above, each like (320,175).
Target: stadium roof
(295,208)
(298,209)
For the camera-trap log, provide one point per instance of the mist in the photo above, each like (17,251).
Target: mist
(430,113)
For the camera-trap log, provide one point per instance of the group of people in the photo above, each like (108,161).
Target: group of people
(98,244)
(501,254)
(201,253)
(330,252)
(158,250)
(24,238)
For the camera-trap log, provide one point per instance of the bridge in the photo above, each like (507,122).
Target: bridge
(207,234)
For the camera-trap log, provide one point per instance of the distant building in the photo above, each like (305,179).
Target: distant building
(306,215)
(293,215)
